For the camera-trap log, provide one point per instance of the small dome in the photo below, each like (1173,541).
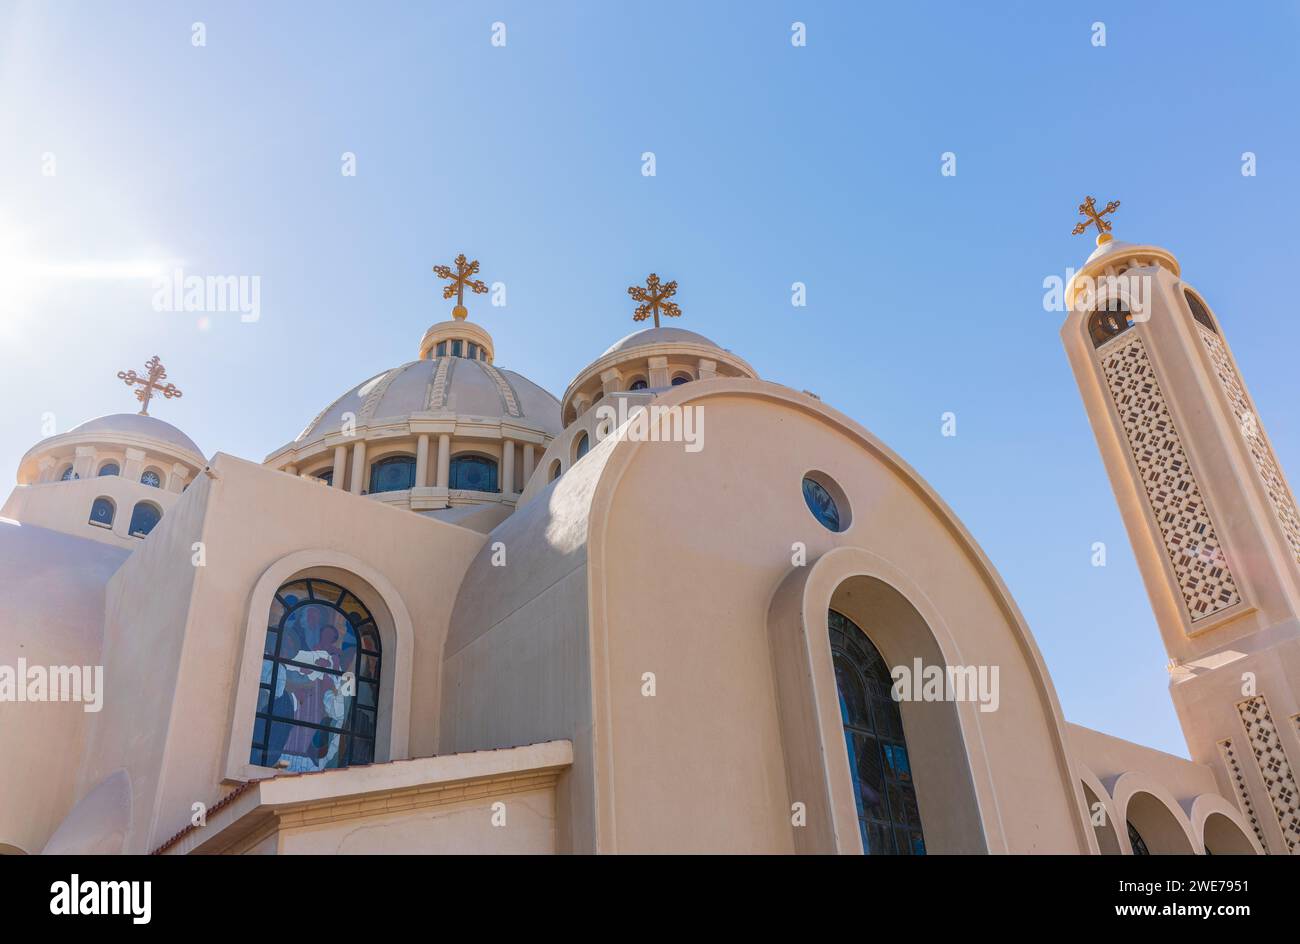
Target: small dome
(661,335)
(135,425)
(440,385)
(1110,248)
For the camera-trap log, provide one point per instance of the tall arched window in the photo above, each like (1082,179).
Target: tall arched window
(68,475)
(474,473)
(1199,311)
(392,474)
(102,512)
(144,517)
(318,701)
(580,450)
(883,790)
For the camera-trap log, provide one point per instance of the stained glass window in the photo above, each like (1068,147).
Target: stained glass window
(1108,321)
(1136,841)
(474,473)
(109,468)
(144,517)
(151,478)
(883,790)
(1199,311)
(101,512)
(318,699)
(584,444)
(821,504)
(392,474)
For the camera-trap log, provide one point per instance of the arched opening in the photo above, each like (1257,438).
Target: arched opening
(1199,311)
(1224,837)
(1110,320)
(102,512)
(108,468)
(884,793)
(553,472)
(318,695)
(325,475)
(474,473)
(1102,827)
(679,379)
(151,478)
(638,384)
(581,445)
(144,518)
(391,474)
(1153,829)
(67,475)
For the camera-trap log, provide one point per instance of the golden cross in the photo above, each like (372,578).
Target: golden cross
(156,372)
(460,280)
(1088,208)
(655,298)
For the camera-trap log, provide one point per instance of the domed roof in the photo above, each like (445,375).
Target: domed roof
(135,424)
(661,335)
(441,385)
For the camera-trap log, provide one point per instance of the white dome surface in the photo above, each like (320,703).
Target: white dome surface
(468,388)
(134,424)
(1110,247)
(660,335)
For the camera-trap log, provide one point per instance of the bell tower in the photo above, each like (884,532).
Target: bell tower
(1212,520)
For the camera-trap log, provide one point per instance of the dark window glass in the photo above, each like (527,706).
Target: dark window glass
(821,504)
(67,475)
(1136,841)
(473,351)
(326,476)
(317,705)
(151,478)
(1199,311)
(143,518)
(442,349)
(681,379)
(101,512)
(110,468)
(392,474)
(883,789)
(1109,321)
(455,348)
(555,471)
(639,385)
(584,444)
(474,473)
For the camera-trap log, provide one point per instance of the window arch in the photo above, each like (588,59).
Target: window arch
(554,472)
(318,697)
(392,474)
(152,478)
(639,384)
(102,512)
(1199,311)
(581,446)
(67,475)
(1111,319)
(325,475)
(144,517)
(109,468)
(474,473)
(1136,841)
(679,379)
(885,795)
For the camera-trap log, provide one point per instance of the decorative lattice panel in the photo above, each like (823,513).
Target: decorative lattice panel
(1262,735)
(1239,785)
(1253,432)
(1194,550)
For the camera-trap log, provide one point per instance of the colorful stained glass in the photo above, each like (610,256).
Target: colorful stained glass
(821,504)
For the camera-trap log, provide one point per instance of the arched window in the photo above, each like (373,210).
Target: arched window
(326,476)
(1199,311)
(888,815)
(1136,841)
(109,468)
(442,349)
(554,472)
(681,379)
(143,518)
(68,475)
(151,478)
(583,444)
(474,473)
(1112,318)
(102,512)
(639,384)
(318,700)
(392,474)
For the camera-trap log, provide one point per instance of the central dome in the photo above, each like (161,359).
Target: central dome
(439,385)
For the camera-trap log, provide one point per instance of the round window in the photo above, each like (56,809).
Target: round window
(826,501)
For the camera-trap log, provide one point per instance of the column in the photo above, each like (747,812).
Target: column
(444,459)
(358,466)
(529,460)
(340,466)
(46,465)
(176,478)
(84,466)
(133,465)
(422,461)
(508,468)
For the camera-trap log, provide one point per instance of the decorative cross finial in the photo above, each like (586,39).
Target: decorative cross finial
(149,384)
(1088,208)
(655,298)
(460,280)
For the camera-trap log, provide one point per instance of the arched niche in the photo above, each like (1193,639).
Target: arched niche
(1152,810)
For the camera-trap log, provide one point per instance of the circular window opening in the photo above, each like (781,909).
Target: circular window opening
(827,501)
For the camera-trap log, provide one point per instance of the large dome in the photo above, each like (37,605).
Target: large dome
(135,425)
(440,385)
(655,336)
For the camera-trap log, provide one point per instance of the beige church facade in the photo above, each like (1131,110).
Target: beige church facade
(458,615)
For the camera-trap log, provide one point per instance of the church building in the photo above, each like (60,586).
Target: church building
(457,614)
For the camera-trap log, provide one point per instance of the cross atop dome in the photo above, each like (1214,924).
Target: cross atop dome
(155,372)
(654,297)
(460,280)
(1088,208)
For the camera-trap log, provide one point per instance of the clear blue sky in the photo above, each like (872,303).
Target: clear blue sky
(774,164)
